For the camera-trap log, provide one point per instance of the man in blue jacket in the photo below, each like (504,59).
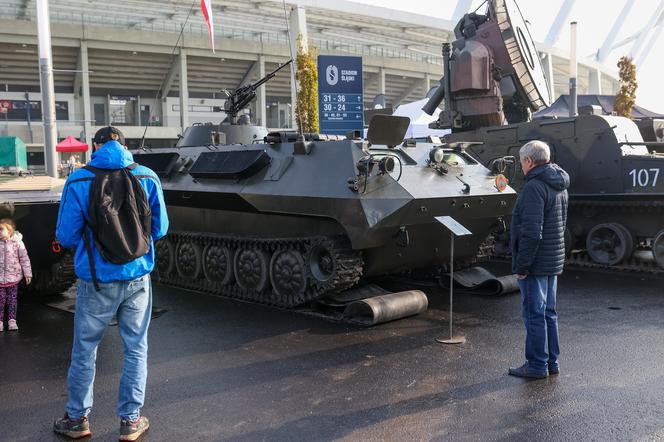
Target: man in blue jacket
(538,255)
(124,291)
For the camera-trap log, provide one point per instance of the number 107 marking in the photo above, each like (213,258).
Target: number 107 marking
(641,177)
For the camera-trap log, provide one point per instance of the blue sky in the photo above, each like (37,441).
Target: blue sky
(594,17)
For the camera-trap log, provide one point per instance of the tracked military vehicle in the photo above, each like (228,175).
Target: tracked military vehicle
(617,183)
(493,81)
(32,202)
(286,222)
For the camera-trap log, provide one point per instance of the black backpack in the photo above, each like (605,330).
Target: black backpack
(119,217)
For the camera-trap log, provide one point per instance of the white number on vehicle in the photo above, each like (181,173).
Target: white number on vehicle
(644,177)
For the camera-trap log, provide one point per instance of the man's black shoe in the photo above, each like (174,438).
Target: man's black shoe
(525,372)
(554,370)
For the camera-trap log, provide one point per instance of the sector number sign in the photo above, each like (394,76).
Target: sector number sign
(340,100)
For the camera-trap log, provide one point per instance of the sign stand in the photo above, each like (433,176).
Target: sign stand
(455,229)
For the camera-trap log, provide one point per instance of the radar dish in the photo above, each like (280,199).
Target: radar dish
(529,74)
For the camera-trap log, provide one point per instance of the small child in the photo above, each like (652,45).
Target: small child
(14,264)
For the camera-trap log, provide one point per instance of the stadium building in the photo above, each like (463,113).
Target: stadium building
(138,63)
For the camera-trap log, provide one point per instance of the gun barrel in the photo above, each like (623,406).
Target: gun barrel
(435,100)
(269,76)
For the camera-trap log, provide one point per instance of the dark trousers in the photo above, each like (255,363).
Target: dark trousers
(8,295)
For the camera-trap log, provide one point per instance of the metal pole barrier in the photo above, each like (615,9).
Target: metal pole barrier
(451,338)
(451,278)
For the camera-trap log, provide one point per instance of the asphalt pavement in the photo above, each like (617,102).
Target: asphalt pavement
(225,370)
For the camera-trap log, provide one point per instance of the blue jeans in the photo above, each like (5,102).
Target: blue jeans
(131,302)
(538,307)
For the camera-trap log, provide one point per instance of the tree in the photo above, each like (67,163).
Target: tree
(306,109)
(626,97)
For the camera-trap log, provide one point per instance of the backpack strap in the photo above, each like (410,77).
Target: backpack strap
(91,259)
(88,246)
(91,169)
(96,170)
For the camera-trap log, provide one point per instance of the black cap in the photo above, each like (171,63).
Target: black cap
(104,134)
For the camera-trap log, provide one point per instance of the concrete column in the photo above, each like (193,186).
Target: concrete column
(261,95)
(87,111)
(425,84)
(138,111)
(547,64)
(184,91)
(595,81)
(298,27)
(381,81)
(108,110)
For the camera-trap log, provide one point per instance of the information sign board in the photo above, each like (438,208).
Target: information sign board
(340,98)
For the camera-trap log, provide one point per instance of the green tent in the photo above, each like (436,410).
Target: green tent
(13,153)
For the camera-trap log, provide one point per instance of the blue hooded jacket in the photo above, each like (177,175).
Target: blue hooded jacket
(538,222)
(74,212)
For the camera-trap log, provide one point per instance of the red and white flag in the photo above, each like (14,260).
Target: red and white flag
(206,7)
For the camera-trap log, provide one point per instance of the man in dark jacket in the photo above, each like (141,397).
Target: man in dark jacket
(538,255)
(124,291)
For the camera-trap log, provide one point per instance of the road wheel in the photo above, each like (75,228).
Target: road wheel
(251,269)
(218,264)
(188,259)
(658,248)
(609,243)
(165,253)
(288,275)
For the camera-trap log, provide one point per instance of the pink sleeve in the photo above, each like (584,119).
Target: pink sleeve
(24,260)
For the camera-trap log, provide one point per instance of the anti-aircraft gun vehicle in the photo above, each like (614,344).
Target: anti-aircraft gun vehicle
(492,82)
(235,129)
(287,222)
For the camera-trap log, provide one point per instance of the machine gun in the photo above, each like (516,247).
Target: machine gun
(242,96)
(492,73)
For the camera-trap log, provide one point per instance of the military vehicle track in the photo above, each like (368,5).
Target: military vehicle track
(633,265)
(606,211)
(283,272)
(636,209)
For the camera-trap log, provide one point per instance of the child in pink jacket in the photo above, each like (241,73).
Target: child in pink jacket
(14,265)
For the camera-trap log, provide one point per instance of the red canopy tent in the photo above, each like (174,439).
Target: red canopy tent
(71,144)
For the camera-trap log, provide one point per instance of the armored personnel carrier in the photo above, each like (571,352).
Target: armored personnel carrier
(286,222)
(493,81)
